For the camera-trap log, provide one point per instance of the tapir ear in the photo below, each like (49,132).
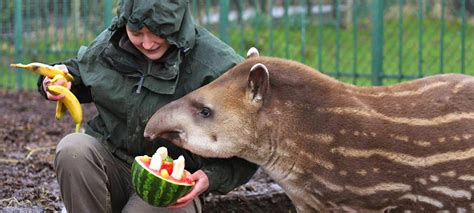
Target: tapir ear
(252,52)
(258,83)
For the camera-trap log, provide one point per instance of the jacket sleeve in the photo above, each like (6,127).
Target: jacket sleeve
(227,174)
(82,92)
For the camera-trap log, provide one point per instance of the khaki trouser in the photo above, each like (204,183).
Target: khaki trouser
(92,179)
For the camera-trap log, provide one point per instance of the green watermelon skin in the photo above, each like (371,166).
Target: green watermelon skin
(153,189)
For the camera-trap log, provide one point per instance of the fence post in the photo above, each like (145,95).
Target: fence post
(377,41)
(18,28)
(224,20)
(107,13)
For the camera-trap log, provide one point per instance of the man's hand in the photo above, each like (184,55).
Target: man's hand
(62,82)
(202,183)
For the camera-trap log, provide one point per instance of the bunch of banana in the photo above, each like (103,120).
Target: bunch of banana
(69,101)
(44,69)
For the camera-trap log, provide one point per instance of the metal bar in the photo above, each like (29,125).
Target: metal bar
(95,23)
(65,26)
(56,26)
(208,17)
(241,5)
(320,36)
(256,22)
(271,28)
(355,32)
(303,30)
(224,20)
(86,15)
(3,75)
(443,28)
(27,43)
(18,29)
(107,13)
(377,42)
(400,40)
(287,26)
(195,9)
(76,15)
(46,27)
(338,38)
(463,36)
(420,38)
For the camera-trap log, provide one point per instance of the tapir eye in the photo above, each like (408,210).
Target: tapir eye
(205,112)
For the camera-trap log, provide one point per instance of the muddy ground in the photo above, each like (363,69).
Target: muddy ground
(28,135)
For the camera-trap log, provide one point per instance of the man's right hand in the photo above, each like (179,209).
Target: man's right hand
(61,82)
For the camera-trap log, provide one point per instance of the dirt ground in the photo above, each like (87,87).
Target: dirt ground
(29,133)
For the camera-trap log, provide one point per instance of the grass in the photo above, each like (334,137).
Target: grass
(345,53)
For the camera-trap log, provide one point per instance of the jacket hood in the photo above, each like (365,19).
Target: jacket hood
(170,19)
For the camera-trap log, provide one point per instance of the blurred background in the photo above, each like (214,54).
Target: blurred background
(363,42)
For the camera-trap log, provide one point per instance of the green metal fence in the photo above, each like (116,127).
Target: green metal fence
(364,42)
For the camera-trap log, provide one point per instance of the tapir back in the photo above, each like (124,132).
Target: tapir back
(408,146)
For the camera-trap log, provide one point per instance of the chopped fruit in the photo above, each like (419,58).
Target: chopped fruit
(156,162)
(164,173)
(178,170)
(163,152)
(146,159)
(168,166)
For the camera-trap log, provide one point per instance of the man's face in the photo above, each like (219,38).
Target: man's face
(151,45)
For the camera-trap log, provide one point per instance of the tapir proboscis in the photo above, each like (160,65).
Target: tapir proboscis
(333,146)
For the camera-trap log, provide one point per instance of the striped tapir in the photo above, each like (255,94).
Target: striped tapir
(332,146)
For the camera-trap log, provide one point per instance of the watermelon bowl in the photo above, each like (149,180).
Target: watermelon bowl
(155,189)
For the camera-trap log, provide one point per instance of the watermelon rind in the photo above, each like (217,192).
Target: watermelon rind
(153,189)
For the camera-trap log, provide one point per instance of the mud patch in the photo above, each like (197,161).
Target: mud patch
(29,134)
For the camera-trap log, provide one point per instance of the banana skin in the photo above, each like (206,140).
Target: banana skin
(70,102)
(44,69)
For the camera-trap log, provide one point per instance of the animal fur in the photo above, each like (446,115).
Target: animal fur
(332,146)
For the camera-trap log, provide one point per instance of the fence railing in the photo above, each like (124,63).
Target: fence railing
(366,42)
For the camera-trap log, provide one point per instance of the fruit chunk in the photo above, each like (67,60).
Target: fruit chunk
(178,169)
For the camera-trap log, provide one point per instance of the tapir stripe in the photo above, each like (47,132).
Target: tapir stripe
(419,91)
(364,191)
(421,198)
(462,84)
(443,119)
(466,177)
(406,159)
(451,192)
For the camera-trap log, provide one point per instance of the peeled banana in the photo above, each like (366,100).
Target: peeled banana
(70,102)
(60,108)
(44,69)
(178,168)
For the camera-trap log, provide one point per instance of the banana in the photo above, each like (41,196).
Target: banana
(178,168)
(60,109)
(71,103)
(44,69)
(163,152)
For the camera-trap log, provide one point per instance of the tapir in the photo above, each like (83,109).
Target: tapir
(333,146)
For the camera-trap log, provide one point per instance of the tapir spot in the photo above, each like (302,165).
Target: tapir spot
(214,138)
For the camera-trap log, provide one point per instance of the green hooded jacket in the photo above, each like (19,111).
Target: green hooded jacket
(127,88)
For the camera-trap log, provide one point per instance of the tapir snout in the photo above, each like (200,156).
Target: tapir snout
(164,125)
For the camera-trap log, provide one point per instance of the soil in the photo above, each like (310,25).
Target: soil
(29,133)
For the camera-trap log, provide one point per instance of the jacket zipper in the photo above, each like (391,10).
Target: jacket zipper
(142,77)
